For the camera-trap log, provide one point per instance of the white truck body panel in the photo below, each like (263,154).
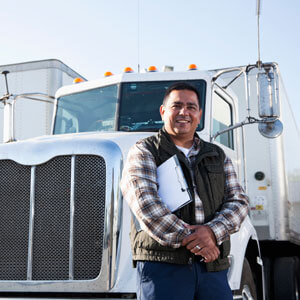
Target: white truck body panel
(274,201)
(34,118)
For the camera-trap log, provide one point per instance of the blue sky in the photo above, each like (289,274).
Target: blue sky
(94,36)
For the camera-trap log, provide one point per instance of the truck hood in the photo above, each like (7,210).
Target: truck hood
(38,150)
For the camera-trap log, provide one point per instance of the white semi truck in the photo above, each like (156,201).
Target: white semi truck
(63,223)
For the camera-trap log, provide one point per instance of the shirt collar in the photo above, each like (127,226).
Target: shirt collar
(196,147)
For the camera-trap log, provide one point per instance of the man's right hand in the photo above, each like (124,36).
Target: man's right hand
(202,242)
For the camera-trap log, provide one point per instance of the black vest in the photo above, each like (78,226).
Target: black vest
(210,182)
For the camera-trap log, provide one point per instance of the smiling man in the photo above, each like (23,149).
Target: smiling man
(182,255)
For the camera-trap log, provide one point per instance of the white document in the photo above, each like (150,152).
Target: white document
(172,186)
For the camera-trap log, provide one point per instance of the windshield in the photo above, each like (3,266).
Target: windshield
(96,109)
(93,110)
(140,102)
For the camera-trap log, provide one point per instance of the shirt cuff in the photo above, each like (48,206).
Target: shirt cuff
(219,231)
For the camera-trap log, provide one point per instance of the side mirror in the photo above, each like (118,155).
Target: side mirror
(270,129)
(267,92)
(268,103)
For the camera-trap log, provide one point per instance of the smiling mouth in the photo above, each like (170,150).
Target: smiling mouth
(183,121)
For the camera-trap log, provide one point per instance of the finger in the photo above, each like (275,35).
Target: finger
(210,257)
(188,239)
(207,258)
(196,249)
(192,227)
(193,244)
(209,254)
(196,236)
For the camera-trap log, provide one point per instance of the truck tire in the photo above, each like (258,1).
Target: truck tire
(248,288)
(268,277)
(286,278)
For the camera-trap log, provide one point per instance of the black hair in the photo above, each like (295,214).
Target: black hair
(179,86)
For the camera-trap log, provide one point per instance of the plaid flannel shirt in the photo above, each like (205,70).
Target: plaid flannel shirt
(139,188)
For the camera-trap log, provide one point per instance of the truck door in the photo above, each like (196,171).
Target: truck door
(223,115)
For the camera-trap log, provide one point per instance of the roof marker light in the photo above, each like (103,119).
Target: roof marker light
(192,67)
(108,73)
(128,70)
(152,69)
(78,80)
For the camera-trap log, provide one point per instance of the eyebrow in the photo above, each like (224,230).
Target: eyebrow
(189,103)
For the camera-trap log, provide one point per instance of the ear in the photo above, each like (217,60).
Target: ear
(162,111)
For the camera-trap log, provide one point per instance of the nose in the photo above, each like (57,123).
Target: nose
(183,111)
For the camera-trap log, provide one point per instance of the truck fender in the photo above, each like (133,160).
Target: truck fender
(239,246)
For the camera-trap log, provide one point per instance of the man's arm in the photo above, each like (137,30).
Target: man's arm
(139,188)
(205,237)
(234,209)
(229,219)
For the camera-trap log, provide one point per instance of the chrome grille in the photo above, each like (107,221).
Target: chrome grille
(51,222)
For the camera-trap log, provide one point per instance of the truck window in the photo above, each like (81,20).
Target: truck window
(140,102)
(222,118)
(92,110)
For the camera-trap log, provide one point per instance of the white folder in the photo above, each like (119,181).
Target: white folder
(172,186)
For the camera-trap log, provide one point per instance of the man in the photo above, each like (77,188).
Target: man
(182,255)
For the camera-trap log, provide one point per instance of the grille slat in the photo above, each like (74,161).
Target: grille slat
(52,220)
(51,226)
(89,216)
(14,220)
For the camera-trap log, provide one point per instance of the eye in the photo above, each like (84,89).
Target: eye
(176,105)
(192,108)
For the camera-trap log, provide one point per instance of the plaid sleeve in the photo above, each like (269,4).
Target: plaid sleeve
(139,188)
(235,207)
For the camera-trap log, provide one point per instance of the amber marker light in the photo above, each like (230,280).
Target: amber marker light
(128,70)
(108,73)
(192,67)
(152,69)
(78,80)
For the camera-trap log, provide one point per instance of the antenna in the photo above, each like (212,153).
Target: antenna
(138,34)
(258,7)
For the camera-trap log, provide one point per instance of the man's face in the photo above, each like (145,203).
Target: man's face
(181,114)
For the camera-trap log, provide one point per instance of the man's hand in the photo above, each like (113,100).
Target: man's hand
(202,242)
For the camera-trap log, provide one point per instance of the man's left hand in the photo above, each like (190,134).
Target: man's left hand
(202,242)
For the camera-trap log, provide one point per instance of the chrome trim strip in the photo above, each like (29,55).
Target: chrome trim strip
(114,220)
(53,116)
(31,224)
(72,212)
(117,223)
(111,230)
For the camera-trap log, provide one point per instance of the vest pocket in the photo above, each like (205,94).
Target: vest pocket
(216,178)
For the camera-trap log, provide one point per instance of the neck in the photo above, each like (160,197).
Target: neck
(187,143)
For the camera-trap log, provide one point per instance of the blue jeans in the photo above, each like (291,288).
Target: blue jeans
(164,281)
